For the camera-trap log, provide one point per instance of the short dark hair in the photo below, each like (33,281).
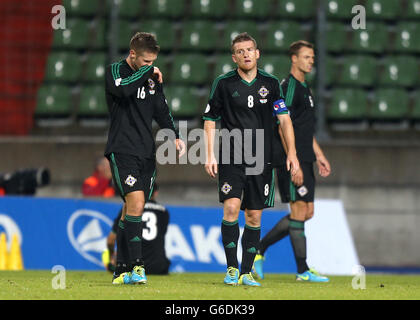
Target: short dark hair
(295,47)
(244,36)
(144,42)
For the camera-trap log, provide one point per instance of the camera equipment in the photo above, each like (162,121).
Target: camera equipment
(24,181)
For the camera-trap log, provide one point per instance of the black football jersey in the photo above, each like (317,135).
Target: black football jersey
(301,105)
(245,106)
(134,100)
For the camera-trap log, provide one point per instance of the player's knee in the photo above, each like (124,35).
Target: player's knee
(231,211)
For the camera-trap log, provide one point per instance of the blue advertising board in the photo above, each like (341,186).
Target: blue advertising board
(72,233)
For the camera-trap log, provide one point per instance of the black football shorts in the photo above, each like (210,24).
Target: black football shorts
(289,192)
(256,191)
(131,173)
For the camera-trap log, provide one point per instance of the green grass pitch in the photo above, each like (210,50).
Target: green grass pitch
(37,285)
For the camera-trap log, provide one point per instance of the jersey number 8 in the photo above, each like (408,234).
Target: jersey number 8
(250,101)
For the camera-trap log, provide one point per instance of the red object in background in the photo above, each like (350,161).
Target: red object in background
(26,35)
(96,185)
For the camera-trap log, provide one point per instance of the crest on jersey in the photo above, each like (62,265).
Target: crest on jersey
(151,86)
(263,92)
(226,188)
(130,180)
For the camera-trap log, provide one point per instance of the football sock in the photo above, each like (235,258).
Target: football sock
(230,236)
(278,232)
(250,240)
(133,237)
(298,240)
(123,257)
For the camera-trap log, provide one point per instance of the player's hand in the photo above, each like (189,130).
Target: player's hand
(297,178)
(180,146)
(211,167)
(324,167)
(292,163)
(158,74)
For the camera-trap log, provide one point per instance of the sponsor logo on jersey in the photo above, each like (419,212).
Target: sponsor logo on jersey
(226,188)
(263,100)
(302,191)
(235,94)
(130,180)
(263,92)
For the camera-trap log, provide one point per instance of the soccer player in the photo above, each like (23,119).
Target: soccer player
(245,100)
(156,220)
(135,97)
(298,192)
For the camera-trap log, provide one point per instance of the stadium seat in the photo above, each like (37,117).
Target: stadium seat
(183,102)
(126,30)
(358,71)
(129,9)
(382,9)
(331,71)
(245,9)
(389,104)
(373,39)
(348,104)
(189,68)
(80,7)
(407,37)
(210,8)
(336,37)
(53,101)
(166,8)
(163,30)
(399,71)
(224,64)
(233,28)
(277,65)
(92,102)
(339,9)
(63,67)
(95,67)
(198,35)
(98,40)
(75,36)
(415,112)
(413,9)
(303,9)
(280,35)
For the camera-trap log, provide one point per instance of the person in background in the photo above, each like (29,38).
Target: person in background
(99,184)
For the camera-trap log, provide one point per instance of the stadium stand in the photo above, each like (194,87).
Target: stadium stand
(194,37)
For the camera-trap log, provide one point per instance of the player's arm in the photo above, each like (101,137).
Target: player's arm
(210,116)
(164,118)
(125,87)
(287,133)
(324,167)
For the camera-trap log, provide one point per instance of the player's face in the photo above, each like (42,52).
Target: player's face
(305,59)
(245,55)
(142,59)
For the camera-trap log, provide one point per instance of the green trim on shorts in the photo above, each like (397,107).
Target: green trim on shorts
(121,224)
(153,184)
(296,224)
(117,175)
(292,190)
